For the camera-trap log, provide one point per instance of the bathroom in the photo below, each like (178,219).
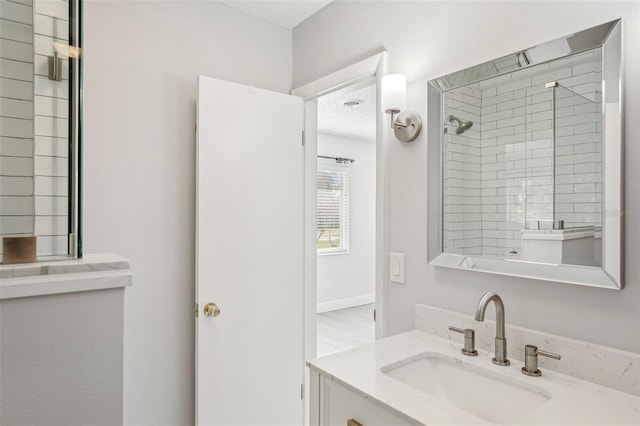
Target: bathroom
(139,196)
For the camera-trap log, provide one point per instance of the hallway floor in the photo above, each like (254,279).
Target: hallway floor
(345,328)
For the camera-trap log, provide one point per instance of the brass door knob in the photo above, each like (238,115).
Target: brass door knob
(211,310)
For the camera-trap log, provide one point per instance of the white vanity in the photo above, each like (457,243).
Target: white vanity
(422,378)
(61,341)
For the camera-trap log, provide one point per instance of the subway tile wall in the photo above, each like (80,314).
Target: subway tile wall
(16,119)
(516,156)
(462,182)
(51,129)
(34,124)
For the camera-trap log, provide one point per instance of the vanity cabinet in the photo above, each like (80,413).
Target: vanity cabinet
(62,341)
(332,404)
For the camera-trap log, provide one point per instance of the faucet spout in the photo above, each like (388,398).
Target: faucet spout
(482,307)
(500,341)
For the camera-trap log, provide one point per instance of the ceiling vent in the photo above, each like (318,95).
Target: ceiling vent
(353,103)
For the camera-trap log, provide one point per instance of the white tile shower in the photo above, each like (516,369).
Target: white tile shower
(532,157)
(34,124)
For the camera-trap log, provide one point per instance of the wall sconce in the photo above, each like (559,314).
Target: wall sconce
(55,63)
(407,124)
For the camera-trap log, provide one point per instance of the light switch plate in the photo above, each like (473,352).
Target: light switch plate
(396,268)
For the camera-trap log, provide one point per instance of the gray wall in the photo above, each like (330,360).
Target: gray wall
(142,60)
(429,39)
(62,359)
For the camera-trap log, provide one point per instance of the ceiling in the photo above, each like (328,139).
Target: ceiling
(287,13)
(359,121)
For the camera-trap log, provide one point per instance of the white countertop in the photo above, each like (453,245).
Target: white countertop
(92,272)
(574,401)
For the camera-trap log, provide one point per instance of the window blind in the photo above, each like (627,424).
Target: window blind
(333,209)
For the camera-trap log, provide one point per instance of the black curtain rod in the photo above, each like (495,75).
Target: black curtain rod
(340,160)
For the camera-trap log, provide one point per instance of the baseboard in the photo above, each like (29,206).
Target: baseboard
(350,302)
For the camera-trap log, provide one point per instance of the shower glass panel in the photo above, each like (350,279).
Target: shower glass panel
(563,173)
(563,158)
(577,159)
(539,158)
(522,164)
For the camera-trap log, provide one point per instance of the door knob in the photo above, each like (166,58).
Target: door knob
(211,310)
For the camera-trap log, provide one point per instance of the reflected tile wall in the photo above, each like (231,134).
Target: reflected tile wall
(16,118)
(499,175)
(34,124)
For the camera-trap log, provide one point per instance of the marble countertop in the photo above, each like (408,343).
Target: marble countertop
(92,272)
(89,263)
(573,401)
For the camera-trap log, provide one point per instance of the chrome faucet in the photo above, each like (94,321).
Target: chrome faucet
(501,341)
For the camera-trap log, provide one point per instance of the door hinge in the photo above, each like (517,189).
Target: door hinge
(196,310)
(303,138)
(302,391)
(374,315)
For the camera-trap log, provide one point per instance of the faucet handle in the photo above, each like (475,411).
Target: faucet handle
(469,340)
(531,353)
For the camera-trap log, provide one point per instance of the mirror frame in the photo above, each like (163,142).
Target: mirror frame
(608,38)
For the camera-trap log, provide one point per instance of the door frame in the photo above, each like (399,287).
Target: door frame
(371,68)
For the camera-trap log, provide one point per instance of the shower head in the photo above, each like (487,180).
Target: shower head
(463,126)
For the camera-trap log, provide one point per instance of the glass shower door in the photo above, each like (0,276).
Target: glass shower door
(563,176)
(577,158)
(563,158)
(539,158)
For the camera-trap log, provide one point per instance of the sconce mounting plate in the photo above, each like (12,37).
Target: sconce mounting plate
(407,126)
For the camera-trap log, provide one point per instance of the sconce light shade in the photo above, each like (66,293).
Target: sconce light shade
(394,93)
(407,124)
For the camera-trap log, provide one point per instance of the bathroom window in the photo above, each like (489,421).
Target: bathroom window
(333,209)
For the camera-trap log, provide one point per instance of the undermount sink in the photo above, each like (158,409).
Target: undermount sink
(478,391)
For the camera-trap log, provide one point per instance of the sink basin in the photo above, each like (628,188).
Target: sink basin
(480,392)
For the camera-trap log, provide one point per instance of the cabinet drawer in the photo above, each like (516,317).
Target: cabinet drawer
(339,405)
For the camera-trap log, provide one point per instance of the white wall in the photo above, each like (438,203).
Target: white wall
(62,359)
(142,59)
(348,279)
(429,39)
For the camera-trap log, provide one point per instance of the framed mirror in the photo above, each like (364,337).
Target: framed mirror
(526,163)
(40,116)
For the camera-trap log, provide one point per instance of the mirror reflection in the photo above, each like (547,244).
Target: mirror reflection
(38,132)
(522,164)
(525,160)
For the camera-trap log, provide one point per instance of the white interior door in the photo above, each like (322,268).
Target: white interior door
(250,253)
